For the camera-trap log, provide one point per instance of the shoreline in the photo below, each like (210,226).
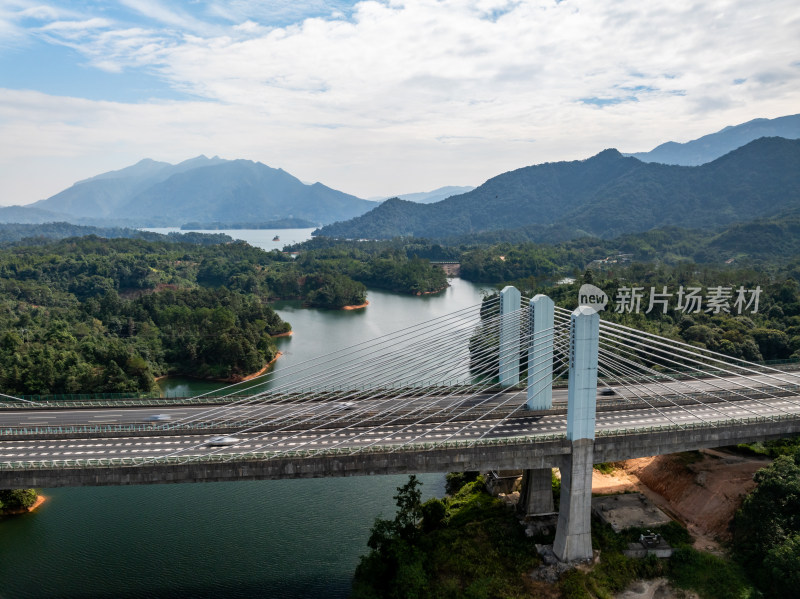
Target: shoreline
(355,307)
(40,499)
(419,293)
(230,379)
(249,377)
(286,334)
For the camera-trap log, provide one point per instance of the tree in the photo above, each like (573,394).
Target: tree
(767,526)
(395,568)
(16,499)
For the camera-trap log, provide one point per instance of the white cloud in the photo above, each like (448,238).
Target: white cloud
(436,91)
(158,11)
(67,27)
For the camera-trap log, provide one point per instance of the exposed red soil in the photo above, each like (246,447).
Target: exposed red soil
(358,307)
(40,499)
(702,489)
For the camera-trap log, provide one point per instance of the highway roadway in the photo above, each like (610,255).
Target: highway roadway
(310,411)
(348,433)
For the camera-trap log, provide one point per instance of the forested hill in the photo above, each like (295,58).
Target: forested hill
(28,234)
(202,189)
(605,195)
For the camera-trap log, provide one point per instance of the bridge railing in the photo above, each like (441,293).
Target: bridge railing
(377,449)
(289,454)
(454,387)
(302,415)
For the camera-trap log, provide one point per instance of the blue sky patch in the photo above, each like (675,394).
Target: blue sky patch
(61,71)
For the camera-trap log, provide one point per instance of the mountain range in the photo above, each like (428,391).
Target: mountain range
(152,193)
(226,192)
(606,195)
(712,146)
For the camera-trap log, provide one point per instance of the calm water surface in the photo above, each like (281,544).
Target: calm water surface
(283,539)
(262,238)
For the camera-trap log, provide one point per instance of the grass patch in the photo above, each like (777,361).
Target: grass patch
(605,467)
(688,457)
(711,576)
(771,449)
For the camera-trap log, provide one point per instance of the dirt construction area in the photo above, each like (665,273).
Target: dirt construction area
(700,489)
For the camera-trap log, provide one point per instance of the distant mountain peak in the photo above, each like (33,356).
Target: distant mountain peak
(151,193)
(710,147)
(607,154)
(431,197)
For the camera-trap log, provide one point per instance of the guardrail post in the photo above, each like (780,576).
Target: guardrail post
(574,533)
(540,353)
(510,299)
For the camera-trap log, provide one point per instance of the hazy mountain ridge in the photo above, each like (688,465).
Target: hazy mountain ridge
(103,195)
(29,215)
(151,193)
(605,195)
(712,146)
(571,196)
(436,195)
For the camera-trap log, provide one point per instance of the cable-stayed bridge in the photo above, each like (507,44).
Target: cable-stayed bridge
(514,383)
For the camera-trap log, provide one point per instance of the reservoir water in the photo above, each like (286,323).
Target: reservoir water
(282,539)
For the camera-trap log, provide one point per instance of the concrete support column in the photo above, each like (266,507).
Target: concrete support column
(574,530)
(540,354)
(536,494)
(510,299)
(574,533)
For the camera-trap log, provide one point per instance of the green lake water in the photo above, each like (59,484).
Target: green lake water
(282,539)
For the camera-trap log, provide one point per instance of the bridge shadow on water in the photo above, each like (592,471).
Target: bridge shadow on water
(272,588)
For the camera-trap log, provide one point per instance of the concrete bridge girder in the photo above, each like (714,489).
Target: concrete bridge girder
(526,455)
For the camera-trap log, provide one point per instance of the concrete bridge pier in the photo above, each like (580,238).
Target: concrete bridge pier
(510,301)
(540,353)
(536,494)
(574,531)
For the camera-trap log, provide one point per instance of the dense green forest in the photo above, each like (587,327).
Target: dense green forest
(469,544)
(385,268)
(89,315)
(26,234)
(764,330)
(767,529)
(606,195)
(99,315)
(770,333)
(764,243)
(508,255)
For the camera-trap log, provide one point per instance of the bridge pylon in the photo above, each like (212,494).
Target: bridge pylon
(540,353)
(574,532)
(536,494)
(510,302)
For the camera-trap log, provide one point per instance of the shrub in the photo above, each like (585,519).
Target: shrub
(16,499)
(573,585)
(711,576)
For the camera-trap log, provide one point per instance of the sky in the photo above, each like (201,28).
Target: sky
(377,98)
